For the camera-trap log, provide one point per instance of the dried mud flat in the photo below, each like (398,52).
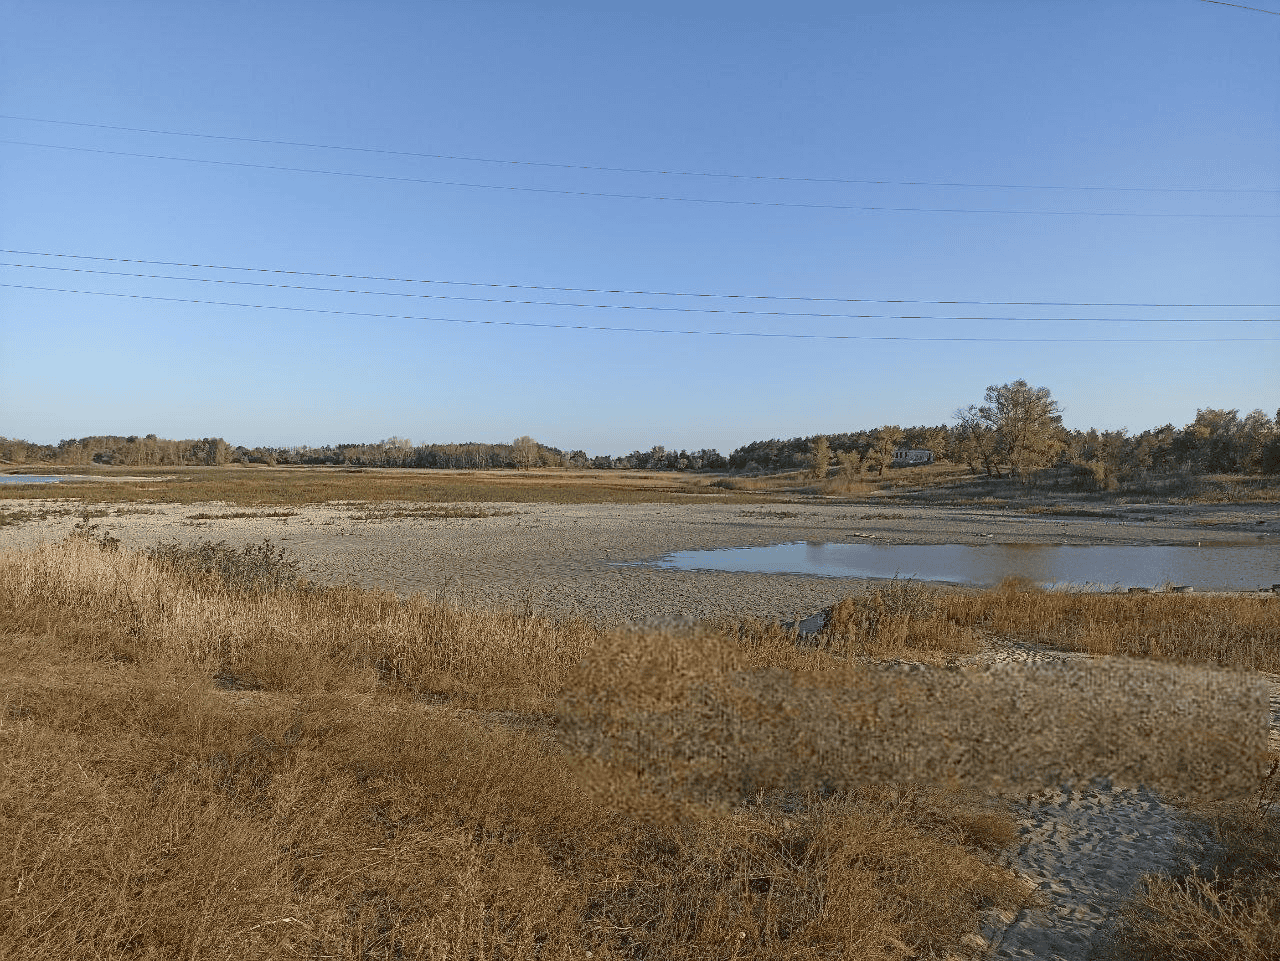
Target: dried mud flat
(588,559)
(1083,846)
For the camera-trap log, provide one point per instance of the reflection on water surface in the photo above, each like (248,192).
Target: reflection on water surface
(1233,567)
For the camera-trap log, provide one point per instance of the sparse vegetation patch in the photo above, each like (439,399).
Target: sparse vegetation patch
(387,512)
(237,515)
(1063,510)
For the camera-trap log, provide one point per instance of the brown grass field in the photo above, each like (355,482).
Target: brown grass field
(940,485)
(208,765)
(258,486)
(255,486)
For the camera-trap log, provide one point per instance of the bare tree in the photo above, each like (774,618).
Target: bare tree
(526,452)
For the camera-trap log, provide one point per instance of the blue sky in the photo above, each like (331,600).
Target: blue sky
(1052,94)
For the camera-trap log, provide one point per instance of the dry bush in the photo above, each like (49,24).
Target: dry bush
(1226,908)
(901,619)
(15,518)
(747,483)
(254,568)
(1237,631)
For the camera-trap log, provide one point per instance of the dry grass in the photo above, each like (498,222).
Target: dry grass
(1064,510)
(392,511)
(351,798)
(1228,631)
(206,758)
(901,620)
(240,515)
(253,486)
(1219,489)
(1059,495)
(894,482)
(936,485)
(1229,908)
(17,517)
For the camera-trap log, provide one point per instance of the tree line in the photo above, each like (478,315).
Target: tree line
(1017,431)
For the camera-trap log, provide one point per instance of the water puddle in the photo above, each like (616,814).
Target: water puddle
(35,478)
(1233,567)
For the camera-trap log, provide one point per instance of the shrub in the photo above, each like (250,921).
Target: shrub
(902,616)
(255,568)
(84,531)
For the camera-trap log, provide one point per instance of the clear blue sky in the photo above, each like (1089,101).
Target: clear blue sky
(1057,93)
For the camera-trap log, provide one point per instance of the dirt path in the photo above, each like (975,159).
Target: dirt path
(1085,847)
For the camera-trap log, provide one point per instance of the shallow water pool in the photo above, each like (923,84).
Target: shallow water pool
(1237,567)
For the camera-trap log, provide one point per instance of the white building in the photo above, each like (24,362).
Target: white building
(903,456)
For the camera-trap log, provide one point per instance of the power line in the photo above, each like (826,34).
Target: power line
(651,330)
(602,290)
(1239,6)
(653,307)
(710,201)
(385,151)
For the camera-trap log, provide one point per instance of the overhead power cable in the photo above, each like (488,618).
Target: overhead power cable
(1240,6)
(651,330)
(709,201)
(603,290)
(385,151)
(653,307)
